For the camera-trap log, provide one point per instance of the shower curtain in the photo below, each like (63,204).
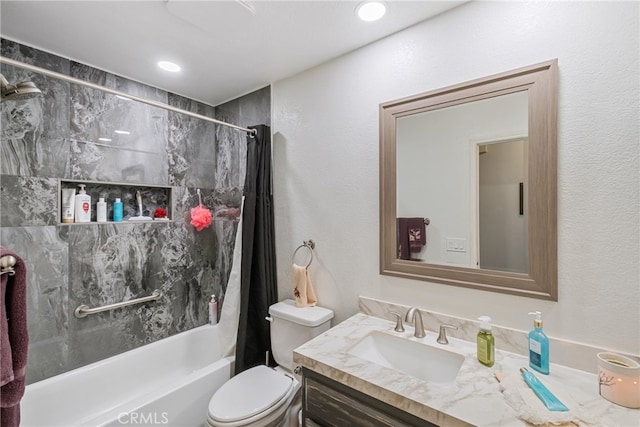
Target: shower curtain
(259,288)
(230,313)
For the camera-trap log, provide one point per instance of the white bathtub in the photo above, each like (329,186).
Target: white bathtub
(168,382)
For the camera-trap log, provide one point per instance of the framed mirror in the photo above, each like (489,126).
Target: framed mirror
(477,162)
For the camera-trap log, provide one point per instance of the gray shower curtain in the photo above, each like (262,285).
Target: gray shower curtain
(259,287)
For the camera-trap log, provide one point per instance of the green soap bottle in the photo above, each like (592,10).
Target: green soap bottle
(486,345)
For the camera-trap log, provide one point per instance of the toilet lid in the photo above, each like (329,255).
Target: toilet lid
(249,393)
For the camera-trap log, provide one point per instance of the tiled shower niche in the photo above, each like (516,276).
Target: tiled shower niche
(153,197)
(54,140)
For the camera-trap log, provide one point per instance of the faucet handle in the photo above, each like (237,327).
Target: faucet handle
(442,336)
(399,326)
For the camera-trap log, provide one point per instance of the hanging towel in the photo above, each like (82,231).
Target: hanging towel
(402,237)
(417,234)
(14,340)
(302,287)
(411,235)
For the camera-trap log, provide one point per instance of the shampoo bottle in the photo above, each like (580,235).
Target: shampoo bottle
(101,210)
(68,204)
(117,210)
(538,346)
(83,205)
(486,343)
(213,310)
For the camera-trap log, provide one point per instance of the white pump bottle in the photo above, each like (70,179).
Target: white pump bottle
(83,205)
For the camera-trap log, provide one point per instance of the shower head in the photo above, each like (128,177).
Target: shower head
(21,91)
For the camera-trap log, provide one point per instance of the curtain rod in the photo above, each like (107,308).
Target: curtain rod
(118,93)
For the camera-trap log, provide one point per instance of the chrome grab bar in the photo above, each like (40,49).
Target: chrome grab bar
(84,311)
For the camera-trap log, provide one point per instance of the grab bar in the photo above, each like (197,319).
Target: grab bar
(84,311)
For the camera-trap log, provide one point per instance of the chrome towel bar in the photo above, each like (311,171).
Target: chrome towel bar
(84,311)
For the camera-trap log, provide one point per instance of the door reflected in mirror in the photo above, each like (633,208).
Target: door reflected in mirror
(502,213)
(461,167)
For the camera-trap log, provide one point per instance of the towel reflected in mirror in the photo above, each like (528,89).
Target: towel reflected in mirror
(411,236)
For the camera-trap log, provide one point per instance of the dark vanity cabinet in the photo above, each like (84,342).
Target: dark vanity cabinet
(328,403)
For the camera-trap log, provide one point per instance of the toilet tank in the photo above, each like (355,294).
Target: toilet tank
(292,326)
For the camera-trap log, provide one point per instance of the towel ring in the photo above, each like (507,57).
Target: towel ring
(310,245)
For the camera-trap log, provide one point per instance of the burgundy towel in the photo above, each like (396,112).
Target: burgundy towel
(10,417)
(14,340)
(417,234)
(411,235)
(402,231)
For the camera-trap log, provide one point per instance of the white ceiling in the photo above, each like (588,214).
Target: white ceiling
(224,49)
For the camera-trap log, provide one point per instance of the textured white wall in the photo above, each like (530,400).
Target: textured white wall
(325,124)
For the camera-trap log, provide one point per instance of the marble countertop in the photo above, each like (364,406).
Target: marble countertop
(474,398)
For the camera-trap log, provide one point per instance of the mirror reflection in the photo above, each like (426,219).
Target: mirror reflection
(502,214)
(464,168)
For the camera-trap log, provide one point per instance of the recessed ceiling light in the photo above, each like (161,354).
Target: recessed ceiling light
(105,139)
(122,132)
(169,66)
(371,10)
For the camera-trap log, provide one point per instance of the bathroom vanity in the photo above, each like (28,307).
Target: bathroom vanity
(345,385)
(326,401)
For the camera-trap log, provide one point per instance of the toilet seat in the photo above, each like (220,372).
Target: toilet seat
(237,403)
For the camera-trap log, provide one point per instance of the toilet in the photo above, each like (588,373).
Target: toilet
(269,397)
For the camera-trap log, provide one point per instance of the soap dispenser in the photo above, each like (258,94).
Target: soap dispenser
(538,346)
(486,342)
(83,205)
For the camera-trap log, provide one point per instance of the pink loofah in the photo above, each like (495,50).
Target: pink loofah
(200,217)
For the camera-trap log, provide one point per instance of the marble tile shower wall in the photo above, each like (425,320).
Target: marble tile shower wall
(52,138)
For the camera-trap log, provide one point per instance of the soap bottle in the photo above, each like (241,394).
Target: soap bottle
(538,346)
(117,210)
(486,343)
(83,205)
(213,310)
(101,210)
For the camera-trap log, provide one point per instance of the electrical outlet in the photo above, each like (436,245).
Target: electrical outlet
(456,245)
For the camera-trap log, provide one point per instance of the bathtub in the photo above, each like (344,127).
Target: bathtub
(168,382)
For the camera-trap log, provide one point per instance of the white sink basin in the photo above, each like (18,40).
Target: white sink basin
(413,358)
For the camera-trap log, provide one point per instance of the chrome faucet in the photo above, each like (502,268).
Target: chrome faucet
(414,315)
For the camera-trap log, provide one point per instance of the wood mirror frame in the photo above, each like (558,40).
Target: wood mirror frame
(541,281)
